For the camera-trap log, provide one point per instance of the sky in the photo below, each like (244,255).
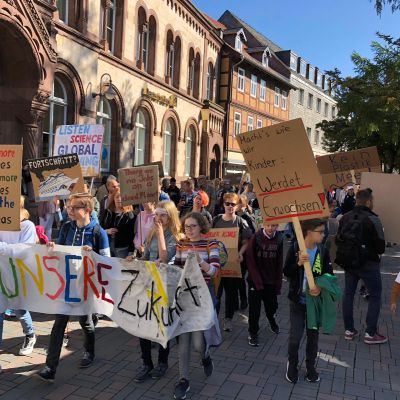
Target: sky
(324,32)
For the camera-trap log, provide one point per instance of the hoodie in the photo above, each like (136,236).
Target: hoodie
(72,235)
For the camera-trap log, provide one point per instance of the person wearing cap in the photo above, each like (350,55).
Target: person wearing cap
(349,200)
(199,203)
(173,191)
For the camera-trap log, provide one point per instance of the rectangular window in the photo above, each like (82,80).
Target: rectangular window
(303,68)
(293,62)
(326,83)
(62,6)
(277,97)
(253,87)
(309,133)
(238,43)
(326,106)
(301,96)
(259,123)
(310,101)
(263,89)
(319,79)
(241,79)
(333,112)
(284,100)
(316,138)
(311,73)
(238,123)
(110,28)
(250,123)
(318,105)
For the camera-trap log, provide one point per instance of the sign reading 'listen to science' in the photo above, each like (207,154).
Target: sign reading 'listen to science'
(283,169)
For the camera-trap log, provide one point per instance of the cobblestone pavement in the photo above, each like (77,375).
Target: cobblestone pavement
(349,370)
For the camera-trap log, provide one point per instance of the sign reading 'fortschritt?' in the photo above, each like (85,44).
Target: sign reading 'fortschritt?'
(283,169)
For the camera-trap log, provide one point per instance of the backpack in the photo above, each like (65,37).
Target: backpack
(351,250)
(96,235)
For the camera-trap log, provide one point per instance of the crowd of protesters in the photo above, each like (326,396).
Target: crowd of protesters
(168,231)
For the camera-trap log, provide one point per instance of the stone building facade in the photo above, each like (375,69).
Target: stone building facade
(146,70)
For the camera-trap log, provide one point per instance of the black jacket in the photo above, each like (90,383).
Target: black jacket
(295,274)
(373,236)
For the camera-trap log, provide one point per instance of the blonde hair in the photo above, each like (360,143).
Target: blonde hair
(111,204)
(174,225)
(21,202)
(245,201)
(85,200)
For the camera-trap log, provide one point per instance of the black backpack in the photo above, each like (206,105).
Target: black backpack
(96,235)
(351,249)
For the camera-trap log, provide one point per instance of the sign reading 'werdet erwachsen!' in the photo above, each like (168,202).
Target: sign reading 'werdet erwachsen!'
(284,173)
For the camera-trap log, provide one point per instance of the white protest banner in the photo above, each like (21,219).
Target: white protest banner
(10,186)
(156,303)
(84,140)
(139,184)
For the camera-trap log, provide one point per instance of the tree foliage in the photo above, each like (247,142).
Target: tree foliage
(369,104)
(379,4)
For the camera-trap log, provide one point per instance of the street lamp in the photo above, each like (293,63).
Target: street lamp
(108,93)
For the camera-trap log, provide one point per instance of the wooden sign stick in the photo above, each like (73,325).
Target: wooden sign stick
(303,249)
(353,179)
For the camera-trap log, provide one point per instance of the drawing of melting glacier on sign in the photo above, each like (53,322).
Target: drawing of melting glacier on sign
(57,184)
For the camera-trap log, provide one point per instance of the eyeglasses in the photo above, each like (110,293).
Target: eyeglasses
(230,204)
(74,208)
(321,232)
(190,227)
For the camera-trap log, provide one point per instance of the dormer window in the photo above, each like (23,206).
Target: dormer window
(265,57)
(238,43)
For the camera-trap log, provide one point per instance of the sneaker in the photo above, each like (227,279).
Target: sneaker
(312,375)
(376,339)
(46,374)
(350,335)
(28,345)
(159,371)
(143,373)
(87,360)
(65,340)
(292,373)
(253,340)
(181,388)
(227,325)
(273,326)
(208,366)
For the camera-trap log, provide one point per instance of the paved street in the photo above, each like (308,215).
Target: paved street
(348,370)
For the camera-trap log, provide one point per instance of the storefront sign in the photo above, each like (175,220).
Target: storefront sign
(170,101)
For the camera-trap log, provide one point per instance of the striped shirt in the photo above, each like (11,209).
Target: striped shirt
(208,250)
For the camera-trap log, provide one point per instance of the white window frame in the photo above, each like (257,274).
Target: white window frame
(170,59)
(140,129)
(209,81)
(253,86)
(293,60)
(303,64)
(111,46)
(259,123)
(189,151)
(263,89)
(241,83)
(265,59)
(250,123)
(277,97)
(284,100)
(237,124)
(168,136)
(238,43)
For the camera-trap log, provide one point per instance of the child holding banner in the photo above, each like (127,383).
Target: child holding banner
(313,232)
(207,252)
(84,232)
(160,246)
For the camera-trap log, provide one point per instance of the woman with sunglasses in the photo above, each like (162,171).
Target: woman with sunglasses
(207,252)
(231,286)
(160,246)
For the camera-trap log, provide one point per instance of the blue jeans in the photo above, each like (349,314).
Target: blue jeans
(24,318)
(371,276)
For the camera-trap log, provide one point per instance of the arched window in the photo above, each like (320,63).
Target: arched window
(190,151)
(210,82)
(177,62)
(152,46)
(196,88)
(170,57)
(142,39)
(191,72)
(169,147)
(141,132)
(110,26)
(57,115)
(104,117)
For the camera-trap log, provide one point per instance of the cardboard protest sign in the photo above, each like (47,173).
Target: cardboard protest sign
(139,184)
(10,186)
(56,176)
(229,238)
(345,168)
(160,167)
(284,173)
(386,191)
(84,140)
(148,301)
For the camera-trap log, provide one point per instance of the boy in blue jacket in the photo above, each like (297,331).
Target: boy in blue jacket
(313,232)
(87,233)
